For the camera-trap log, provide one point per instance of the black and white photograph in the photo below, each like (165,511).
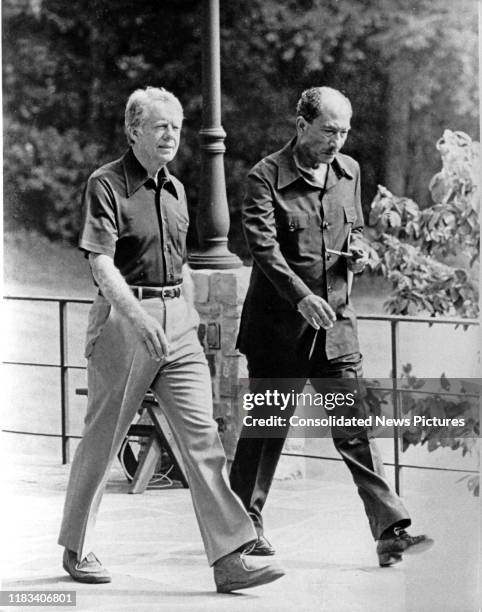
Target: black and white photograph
(241,321)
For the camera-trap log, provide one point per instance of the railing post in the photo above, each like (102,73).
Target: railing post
(64,380)
(394,333)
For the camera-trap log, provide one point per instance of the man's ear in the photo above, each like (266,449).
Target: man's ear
(300,124)
(133,134)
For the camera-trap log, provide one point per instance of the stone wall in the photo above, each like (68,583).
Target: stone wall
(219,297)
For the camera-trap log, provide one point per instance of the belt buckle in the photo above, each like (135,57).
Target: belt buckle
(163,292)
(171,292)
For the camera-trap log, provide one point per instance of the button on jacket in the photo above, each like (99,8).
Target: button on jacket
(142,225)
(289,224)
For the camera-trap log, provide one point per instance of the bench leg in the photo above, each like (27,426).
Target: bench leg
(147,465)
(167,439)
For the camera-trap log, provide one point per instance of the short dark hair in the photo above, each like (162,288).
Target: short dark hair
(313,100)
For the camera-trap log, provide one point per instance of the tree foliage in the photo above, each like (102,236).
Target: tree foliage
(444,398)
(411,247)
(67,73)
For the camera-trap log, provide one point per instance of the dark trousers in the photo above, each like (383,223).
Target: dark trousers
(256,459)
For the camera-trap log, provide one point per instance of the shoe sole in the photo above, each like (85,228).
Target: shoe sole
(87,578)
(420,547)
(389,559)
(259,580)
(392,558)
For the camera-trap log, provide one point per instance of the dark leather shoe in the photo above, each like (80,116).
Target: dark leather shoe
(390,550)
(88,570)
(261,548)
(238,570)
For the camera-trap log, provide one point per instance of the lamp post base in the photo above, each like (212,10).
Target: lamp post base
(216,257)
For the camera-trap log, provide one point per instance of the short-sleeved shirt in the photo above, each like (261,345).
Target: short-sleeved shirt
(140,224)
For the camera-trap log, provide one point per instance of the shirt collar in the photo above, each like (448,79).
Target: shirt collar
(288,171)
(136,175)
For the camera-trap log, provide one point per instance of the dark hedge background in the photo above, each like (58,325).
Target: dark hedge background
(409,67)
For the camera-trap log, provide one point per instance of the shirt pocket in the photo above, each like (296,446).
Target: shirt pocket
(182,227)
(179,244)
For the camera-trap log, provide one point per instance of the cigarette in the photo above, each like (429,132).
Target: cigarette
(342,253)
(313,344)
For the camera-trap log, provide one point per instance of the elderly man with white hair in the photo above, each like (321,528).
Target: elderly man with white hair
(142,334)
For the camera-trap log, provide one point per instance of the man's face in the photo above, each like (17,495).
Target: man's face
(157,139)
(321,140)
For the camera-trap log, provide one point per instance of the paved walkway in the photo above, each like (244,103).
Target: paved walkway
(152,547)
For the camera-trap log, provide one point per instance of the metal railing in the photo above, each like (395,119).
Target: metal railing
(395,321)
(63,366)
(395,371)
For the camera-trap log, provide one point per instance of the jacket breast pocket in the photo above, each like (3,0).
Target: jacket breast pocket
(299,234)
(349,213)
(294,222)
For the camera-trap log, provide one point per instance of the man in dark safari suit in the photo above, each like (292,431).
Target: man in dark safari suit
(301,211)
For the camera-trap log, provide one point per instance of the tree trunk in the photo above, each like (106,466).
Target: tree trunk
(397,162)
(423,156)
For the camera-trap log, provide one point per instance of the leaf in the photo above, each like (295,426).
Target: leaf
(444,383)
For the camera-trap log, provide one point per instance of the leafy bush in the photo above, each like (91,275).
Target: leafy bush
(444,399)
(412,247)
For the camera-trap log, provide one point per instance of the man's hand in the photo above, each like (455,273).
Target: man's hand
(317,311)
(358,260)
(152,334)
(118,294)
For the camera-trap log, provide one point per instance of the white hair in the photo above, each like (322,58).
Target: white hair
(138,105)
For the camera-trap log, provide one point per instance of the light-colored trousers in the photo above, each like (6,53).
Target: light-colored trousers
(120,372)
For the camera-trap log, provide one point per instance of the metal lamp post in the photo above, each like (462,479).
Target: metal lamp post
(212,219)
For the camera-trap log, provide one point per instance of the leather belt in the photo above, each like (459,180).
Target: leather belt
(144,293)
